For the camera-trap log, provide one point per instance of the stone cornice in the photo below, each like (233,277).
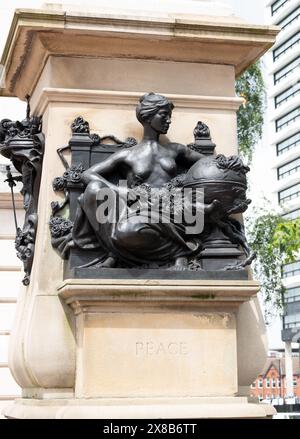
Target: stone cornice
(92,293)
(65,95)
(35,35)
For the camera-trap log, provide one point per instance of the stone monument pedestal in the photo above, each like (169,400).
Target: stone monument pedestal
(151,349)
(131,348)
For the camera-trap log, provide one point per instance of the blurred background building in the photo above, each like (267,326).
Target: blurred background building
(271,384)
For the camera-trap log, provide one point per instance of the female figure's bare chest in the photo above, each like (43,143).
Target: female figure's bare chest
(153,166)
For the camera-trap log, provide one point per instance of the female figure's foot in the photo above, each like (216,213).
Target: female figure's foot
(109,262)
(181,264)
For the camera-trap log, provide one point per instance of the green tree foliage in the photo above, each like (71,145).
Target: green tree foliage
(276,242)
(250,86)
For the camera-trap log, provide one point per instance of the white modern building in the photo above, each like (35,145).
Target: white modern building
(283,81)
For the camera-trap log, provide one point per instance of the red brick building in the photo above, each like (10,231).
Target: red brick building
(271,383)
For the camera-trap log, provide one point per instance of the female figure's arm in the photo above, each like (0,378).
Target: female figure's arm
(187,154)
(190,155)
(105,167)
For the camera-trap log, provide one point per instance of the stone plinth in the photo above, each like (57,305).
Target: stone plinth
(156,338)
(153,348)
(141,348)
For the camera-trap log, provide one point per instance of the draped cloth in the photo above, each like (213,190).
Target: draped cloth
(131,238)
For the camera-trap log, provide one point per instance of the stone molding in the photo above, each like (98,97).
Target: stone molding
(10,268)
(90,293)
(67,95)
(139,408)
(35,35)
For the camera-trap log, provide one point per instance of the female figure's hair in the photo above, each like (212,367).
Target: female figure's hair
(150,104)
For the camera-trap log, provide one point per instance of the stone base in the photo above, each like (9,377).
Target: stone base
(138,408)
(155,338)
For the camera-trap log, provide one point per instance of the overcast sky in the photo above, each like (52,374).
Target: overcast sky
(251,10)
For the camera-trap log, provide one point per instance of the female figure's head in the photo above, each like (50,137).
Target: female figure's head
(155,110)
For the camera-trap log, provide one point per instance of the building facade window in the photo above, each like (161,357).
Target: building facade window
(291,321)
(274,383)
(288,169)
(287,119)
(286,95)
(286,70)
(292,215)
(286,46)
(267,383)
(289,143)
(278,383)
(292,269)
(278,5)
(260,383)
(290,18)
(295,382)
(292,295)
(289,194)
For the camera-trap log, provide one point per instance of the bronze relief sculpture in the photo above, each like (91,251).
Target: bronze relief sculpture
(144,225)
